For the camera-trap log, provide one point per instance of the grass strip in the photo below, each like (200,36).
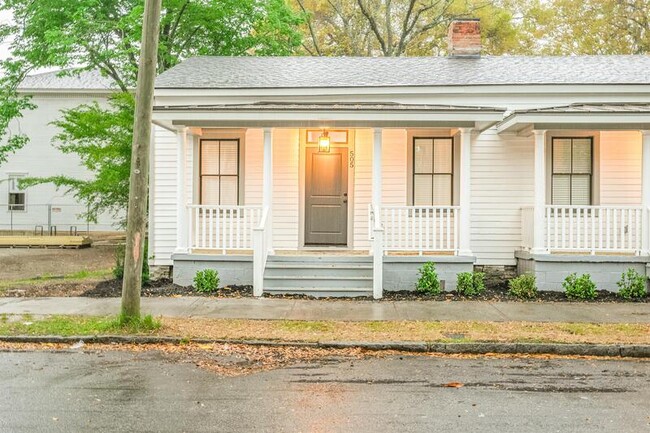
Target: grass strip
(313,331)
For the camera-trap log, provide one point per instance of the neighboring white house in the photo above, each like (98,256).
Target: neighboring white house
(45,206)
(343,175)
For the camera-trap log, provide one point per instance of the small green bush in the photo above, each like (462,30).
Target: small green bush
(428,281)
(632,285)
(118,270)
(581,287)
(470,283)
(206,281)
(523,287)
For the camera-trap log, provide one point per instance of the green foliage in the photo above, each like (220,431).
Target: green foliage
(428,281)
(74,325)
(118,270)
(82,35)
(632,285)
(581,287)
(206,281)
(523,287)
(470,283)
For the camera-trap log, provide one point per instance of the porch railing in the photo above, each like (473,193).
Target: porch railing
(262,244)
(420,228)
(222,227)
(588,229)
(594,228)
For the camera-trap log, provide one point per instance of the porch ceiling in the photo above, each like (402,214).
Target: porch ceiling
(328,115)
(579,116)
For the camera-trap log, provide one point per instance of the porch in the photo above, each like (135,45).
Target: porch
(591,196)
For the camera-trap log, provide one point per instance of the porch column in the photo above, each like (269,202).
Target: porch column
(645,192)
(377,230)
(267,185)
(376,172)
(539,218)
(182,245)
(465,202)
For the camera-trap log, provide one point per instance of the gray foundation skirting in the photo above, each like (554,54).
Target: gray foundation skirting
(233,270)
(550,270)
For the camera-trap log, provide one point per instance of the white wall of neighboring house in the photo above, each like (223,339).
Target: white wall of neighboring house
(39,158)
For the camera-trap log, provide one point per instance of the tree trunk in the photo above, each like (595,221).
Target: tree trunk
(138,191)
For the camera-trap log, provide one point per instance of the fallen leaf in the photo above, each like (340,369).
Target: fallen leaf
(453,385)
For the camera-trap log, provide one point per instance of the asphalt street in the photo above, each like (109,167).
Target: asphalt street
(148,392)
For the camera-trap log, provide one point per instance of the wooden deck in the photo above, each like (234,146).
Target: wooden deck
(44,242)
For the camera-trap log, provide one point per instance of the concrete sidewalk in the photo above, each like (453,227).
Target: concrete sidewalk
(290,309)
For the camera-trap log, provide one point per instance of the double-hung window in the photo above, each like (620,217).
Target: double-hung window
(433,166)
(572,171)
(219,172)
(17,198)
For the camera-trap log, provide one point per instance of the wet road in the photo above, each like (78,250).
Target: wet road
(145,392)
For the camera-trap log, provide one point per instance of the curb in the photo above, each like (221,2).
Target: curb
(608,350)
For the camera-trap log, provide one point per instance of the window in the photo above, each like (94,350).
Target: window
(17,197)
(572,165)
(336,137)
(219,172)
(433,162)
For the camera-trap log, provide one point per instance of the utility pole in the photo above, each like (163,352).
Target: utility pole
(139,181)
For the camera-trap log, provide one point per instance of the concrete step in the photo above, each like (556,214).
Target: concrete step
(325,282)
(320,259)
(294,269)
(347,292)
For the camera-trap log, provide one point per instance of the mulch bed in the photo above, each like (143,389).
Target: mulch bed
(165,287)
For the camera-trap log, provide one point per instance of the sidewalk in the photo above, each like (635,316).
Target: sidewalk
(289,309)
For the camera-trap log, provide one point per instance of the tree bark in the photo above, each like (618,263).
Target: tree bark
(139,180)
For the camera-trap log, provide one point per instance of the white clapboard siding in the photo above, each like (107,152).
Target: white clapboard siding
(286,188)
(253,166)
(502,183)
(362,186)
(620,168)
(164,201)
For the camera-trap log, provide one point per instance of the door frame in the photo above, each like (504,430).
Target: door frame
(302,179)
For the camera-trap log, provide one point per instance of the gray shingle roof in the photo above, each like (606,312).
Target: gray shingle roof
(295,72)
(87,80)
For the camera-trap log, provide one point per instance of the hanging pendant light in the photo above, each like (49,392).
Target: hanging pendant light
(324,142)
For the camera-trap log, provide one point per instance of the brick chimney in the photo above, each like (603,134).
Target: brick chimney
(464,38)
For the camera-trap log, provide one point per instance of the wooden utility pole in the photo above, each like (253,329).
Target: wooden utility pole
(139,181)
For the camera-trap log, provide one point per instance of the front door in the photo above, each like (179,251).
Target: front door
(326,197)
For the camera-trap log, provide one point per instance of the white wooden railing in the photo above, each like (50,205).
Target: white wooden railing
(262,244)
(222,228)
(420,228)
(594,228)
(588,229)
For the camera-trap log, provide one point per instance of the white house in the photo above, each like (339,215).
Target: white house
(343,175)
(44,206)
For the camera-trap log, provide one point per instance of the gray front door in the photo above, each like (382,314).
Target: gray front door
(326,197)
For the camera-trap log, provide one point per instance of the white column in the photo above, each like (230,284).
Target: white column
(376,172)
(465,202)
(645,192)
(377,230)
(267,186)
(539,217)
(181,199)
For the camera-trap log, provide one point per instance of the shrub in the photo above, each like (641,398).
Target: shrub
(523,287)
(581,287)
(118,270)
(632,285)
(206,281)
(470,283)
(428,281)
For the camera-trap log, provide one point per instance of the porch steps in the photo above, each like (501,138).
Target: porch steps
(319,275)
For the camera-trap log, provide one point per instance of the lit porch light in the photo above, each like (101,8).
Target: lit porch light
(324,142)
